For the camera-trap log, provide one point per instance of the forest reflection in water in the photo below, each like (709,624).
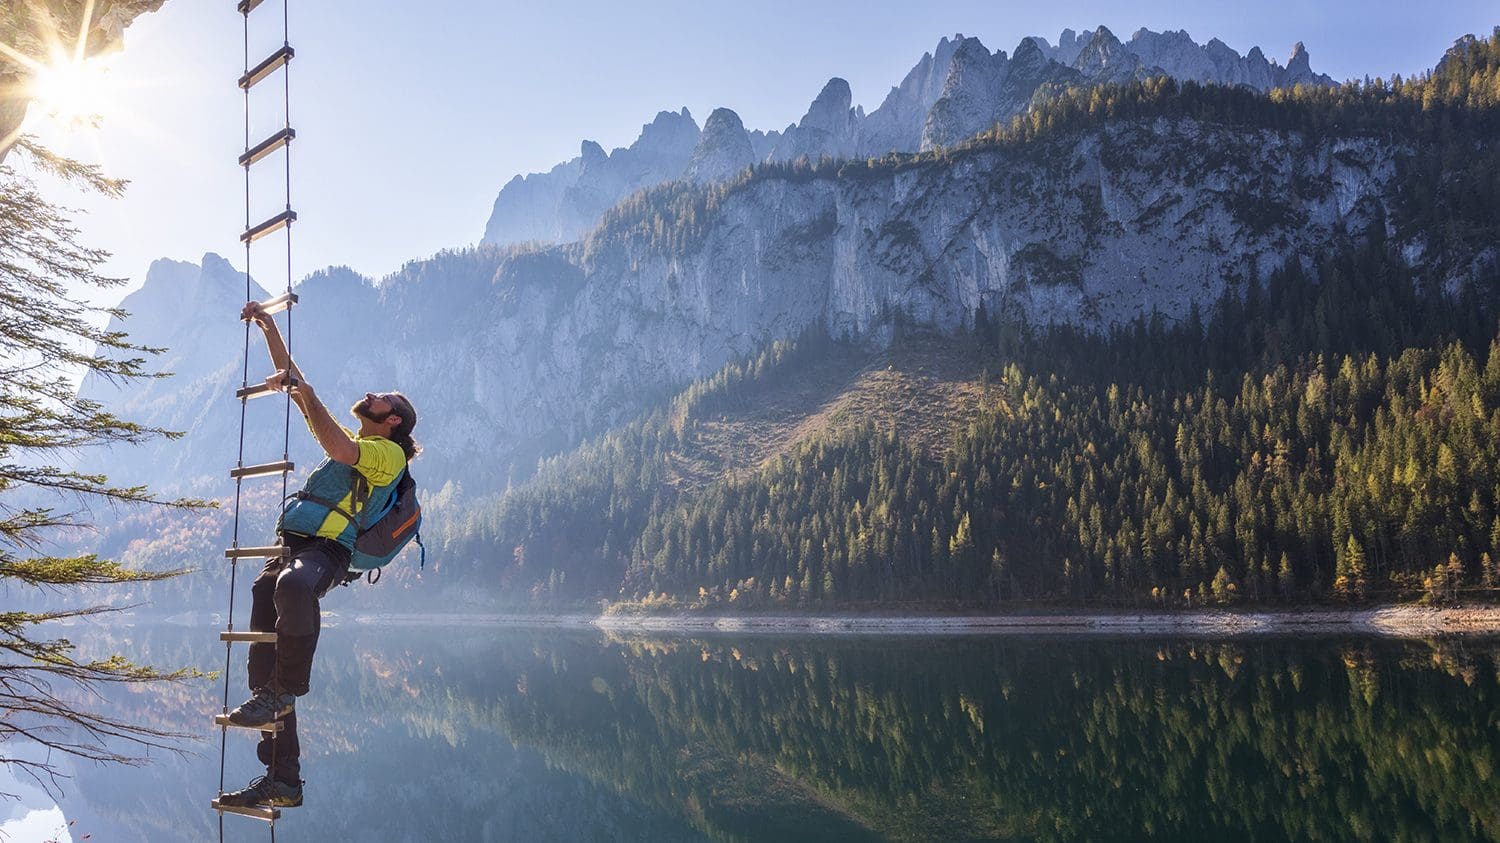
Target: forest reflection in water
(473,733)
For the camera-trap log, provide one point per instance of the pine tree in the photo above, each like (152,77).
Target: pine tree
(1350,580)
(46,334)
(1223,587)
(1454,577)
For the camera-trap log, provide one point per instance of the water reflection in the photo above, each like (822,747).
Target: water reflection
(481,734)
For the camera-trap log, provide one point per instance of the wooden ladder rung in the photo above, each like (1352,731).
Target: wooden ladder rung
(263,552)
(280,303)
(272,63)
(268,146)
(248,636)
(267,814)
(223,720)
(260,390)
(274,224)
(266,470)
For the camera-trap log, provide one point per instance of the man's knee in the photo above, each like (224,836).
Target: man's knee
(297,597)
(263,587)
(298,582)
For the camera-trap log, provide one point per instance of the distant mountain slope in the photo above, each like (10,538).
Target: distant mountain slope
(951,94)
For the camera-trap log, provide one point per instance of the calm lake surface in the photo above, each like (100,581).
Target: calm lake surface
(471,733)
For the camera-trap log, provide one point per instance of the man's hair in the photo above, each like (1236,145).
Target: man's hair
(401,434)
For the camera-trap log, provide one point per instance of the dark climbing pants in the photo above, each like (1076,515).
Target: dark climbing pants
(284,600)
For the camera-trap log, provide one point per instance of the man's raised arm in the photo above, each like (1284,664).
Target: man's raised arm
(330,435)
(280,358)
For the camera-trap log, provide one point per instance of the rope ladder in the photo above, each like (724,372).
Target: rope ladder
(278,62)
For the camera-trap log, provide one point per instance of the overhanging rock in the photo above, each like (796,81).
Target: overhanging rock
(28,27)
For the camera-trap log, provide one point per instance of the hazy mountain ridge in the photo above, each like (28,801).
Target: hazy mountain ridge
(957,90)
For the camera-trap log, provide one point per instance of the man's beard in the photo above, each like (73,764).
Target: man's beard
(361,408)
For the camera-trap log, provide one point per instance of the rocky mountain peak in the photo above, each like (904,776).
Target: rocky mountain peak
(721,122)
(1177,55)
(1299,68)
(830,127)
(896,126)
(969,97)
(723,149)
(953,92)
(592,153)
(166,275)
(830,109)
(169,284)
(1069,45)
(1102,32)
(1030,57)
(216,266)
(1104,59)
(669,130)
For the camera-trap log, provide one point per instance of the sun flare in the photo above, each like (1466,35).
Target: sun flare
(72,92)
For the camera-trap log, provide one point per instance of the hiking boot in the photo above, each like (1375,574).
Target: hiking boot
(264,792)
(264,707)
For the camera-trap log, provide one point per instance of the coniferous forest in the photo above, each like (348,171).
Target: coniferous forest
(1327,433)
(1248,456)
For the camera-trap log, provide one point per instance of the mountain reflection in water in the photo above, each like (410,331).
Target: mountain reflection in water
(470,733)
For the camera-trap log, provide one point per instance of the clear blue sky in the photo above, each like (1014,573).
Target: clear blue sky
(412,115)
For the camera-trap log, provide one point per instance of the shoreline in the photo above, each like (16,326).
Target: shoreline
(1389,621)
(1385,621)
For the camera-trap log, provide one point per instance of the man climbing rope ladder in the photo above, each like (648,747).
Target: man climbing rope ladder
(359,475)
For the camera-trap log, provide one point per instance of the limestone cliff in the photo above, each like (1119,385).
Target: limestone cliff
(512,354)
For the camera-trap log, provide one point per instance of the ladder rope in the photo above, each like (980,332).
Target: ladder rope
(286,123)
(246,9)
(240,454)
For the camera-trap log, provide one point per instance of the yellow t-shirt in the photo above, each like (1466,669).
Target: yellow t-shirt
(381,462)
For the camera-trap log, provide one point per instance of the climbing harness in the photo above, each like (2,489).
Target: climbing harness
(279,141)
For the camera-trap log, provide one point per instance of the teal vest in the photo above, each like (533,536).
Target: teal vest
(305,512)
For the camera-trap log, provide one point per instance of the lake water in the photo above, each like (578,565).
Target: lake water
(471,733)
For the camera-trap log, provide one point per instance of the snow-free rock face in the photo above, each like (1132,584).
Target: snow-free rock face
(513,354)
(971,100)
(1102,59)
(1099,229)
(28,27)
(830,127)
(723,149)
(952,93)
(896,126)
(1029,72)
(1298,69)
(1177,55)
